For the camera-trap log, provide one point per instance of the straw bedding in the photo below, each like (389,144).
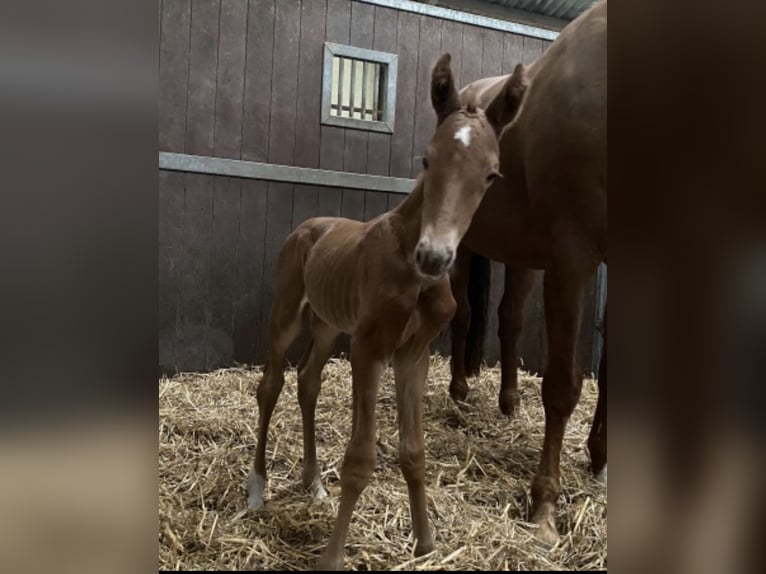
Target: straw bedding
(479,465)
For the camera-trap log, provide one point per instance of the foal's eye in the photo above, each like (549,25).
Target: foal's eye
(425,162)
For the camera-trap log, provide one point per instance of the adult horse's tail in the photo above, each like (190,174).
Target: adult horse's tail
(479,277)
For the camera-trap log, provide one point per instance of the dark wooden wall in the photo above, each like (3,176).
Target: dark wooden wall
(242,80)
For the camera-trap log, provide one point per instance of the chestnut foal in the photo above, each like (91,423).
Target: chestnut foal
(385,282)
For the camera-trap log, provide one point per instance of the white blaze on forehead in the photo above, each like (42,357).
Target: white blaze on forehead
(464,135)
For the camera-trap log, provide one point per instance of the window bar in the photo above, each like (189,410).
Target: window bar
(375,96)
(340,86)
(364,90)
(353,89)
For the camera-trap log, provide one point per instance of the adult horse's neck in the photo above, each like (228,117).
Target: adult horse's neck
(407,216)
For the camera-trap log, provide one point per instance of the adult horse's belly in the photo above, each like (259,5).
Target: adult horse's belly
(331,278)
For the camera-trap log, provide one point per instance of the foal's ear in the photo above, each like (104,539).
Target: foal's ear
(444,96)
(506,104)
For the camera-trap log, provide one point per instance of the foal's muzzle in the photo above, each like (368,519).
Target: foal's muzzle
(433,261)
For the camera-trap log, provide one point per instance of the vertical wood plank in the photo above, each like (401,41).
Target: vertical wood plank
(311,61)
(492,54)
(248,321)
(532,341)
(425,117)
(231,79)
(379,146)
(533,47)
(407,41)
(513,52)
(352,205)
(192,345)
(174,76)
(284,83)
(258,72)
(452,43)
(473,46)
(279,214)
(171,214)
(375,203)
(395,199)
(224,234)
(362,24)
(304,203)
(333,138)
(203,65)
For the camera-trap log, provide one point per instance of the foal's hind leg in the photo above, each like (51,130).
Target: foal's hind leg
(309,383)
(285,326)
(597,438)
(518,284)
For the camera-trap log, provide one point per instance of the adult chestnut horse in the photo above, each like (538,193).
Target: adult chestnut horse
(386,283)
(548,212)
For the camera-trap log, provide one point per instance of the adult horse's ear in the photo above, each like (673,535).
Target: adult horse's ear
(444,96)
(506,104)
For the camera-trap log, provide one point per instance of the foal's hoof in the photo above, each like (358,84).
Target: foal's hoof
(255,487)
(509,403)
(317,490)
(458,390)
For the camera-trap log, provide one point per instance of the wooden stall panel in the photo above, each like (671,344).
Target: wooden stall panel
(248,346)
(174,77)
(171,215)
(384,40)
(258,72)
(203,79)
(407,41)
(231,79)
(429,47)
(224,239)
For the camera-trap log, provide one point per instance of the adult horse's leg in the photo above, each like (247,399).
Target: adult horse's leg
(309,383)
(564,287)
(518,284)
(470,288)
(597,438)
(285,325)
(458,388)
(367,365)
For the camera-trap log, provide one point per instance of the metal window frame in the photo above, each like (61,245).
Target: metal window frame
(389,63)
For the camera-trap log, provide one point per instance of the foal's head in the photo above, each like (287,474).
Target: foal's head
(460,164)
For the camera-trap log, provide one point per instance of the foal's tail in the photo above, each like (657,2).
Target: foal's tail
(479,277)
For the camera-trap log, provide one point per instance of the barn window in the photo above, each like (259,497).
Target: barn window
(359,88)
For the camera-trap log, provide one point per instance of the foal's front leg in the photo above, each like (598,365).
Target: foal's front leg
(410,371)
(367,365)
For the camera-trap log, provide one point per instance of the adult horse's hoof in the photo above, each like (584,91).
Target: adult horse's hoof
(509,402)
(328,564)
(458,390)
(256,484)
(422,548)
